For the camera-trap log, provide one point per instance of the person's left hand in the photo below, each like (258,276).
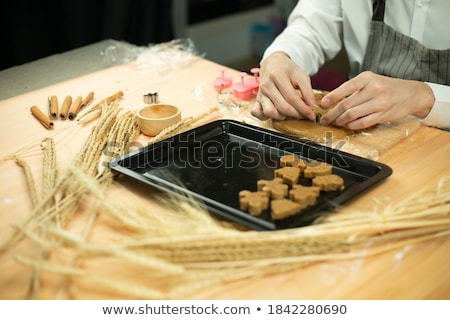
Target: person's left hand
(369,99)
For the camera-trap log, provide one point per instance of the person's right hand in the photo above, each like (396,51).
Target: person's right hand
(277,97)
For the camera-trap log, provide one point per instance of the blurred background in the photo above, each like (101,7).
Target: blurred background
(220,29)
(234,33)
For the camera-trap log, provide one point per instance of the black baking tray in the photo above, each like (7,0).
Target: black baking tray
(213,162)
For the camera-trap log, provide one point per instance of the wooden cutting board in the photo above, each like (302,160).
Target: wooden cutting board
(369,143)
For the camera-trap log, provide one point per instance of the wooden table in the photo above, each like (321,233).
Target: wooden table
(418,271)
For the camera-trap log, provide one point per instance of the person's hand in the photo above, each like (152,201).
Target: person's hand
(369,99)
(277,97)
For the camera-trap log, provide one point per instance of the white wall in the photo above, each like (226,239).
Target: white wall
(227,40)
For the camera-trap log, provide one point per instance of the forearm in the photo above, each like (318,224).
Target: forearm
(310,45)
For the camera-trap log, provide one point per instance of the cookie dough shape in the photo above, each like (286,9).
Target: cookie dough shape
(291,160)
(290,175)
(253,202)
(304,195)
(283,208)
(331,182)
(275,188)
(317,168)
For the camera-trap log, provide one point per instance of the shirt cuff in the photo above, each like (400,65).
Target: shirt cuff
(439,116)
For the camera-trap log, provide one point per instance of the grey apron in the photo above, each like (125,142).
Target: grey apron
(394,54)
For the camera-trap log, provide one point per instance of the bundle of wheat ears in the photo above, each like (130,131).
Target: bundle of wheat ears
(171,249)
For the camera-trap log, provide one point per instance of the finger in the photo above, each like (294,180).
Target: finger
(286,109)
(282,103)
(307,93)
(292,99)
(257,111)
(344,90)
(336,115)
(270,110)
(301,109)
(276,101)
(350,115)
(350,108)
(309,100)
(330,116)
(357,114)
(364,122)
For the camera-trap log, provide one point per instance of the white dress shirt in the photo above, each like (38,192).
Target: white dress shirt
(317,29)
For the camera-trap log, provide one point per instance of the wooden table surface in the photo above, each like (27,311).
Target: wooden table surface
(419,271)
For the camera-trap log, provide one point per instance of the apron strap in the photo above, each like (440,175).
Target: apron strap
(378,10)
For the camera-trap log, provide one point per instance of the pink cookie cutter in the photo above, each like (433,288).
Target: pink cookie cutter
(243,90)
(223,81)
(255,79)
